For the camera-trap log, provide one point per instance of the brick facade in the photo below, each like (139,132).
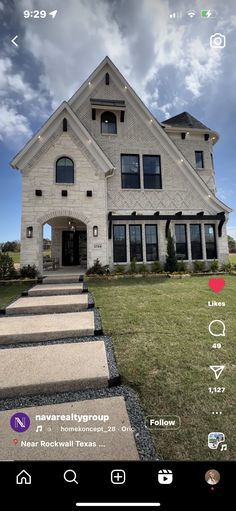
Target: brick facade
(140,134)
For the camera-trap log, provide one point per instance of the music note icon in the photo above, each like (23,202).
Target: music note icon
(39,429)
(224,447)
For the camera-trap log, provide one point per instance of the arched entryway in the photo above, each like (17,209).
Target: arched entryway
(68,241)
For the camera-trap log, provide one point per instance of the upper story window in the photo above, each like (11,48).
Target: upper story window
(130,171)
(199,159)
(65,170)
(152,171)
(108,123)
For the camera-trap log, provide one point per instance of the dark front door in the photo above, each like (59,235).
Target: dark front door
(70,248)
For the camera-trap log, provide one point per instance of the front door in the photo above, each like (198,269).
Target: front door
(70,248)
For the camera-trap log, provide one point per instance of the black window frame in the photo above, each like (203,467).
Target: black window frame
(125,174)
(115,248)
(177,243)
(196,246)
(62,181)
(207,243)
(132,255)
(202,159)
(111,127)
(148,174)
(152,244)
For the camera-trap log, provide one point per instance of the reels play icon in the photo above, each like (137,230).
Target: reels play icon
(165,476)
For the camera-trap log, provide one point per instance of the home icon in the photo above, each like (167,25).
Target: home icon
(23,478)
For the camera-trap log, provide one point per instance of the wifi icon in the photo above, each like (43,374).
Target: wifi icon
(191,14)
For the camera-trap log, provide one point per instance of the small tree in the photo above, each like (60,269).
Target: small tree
(7,270)
(171,263)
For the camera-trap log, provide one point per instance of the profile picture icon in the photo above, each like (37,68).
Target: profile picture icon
(212,476)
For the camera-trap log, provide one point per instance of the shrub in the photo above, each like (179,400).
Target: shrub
(133,266)
(214,266)
(98,269)
(142,268)
(226,266)
(171,263)
(199,266)
(7,269)
(156,267)
(119,269)
(182,266)
(29,272)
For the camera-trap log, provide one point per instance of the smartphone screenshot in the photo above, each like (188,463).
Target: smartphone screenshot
(117,253)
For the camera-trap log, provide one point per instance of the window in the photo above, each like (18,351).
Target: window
(199,159)
(151,242)
(64,170)
(196,241)
(181,241)
(108,122)
(210,238)
(135,236)
(212,161)
(152,171)
(119,243)
(130,173)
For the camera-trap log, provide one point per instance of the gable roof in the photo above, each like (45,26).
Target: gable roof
(155,127)
(185,120)
(40,138)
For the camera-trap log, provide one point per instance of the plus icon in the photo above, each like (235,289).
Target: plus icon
(118,476)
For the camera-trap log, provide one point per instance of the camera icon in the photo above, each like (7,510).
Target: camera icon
(218,40)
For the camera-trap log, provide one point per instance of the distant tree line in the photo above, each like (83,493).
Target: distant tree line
(10,246)
(232,244)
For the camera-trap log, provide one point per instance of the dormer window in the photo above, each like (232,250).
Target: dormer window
(108,123)
(65,170)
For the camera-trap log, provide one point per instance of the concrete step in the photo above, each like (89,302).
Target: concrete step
(62,279)
(48,304)
(53,368)
(46,327)
(56,289)
(44,434)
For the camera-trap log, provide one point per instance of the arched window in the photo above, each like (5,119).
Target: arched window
(108,122)
(65,170)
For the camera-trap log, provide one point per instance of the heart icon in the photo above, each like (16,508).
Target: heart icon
(216,284)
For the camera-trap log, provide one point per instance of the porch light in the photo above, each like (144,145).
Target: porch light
(95,231)
(29,232)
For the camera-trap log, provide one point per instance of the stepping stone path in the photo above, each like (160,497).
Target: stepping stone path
(44,352)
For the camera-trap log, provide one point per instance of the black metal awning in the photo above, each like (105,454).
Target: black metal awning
(156,216)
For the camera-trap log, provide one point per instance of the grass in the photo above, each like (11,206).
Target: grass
(8,292)
(232,258)
(163,348)
(16,255)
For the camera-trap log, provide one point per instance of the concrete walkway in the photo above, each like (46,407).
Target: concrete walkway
(48,304)
(56,289)
(70,369)
(49,439)
(52,311)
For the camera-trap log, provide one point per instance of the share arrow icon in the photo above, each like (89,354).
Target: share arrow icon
(217,370)
(53,14)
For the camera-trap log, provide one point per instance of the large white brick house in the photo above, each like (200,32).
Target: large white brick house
(111,181)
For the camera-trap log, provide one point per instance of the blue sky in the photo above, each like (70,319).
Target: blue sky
(168,61)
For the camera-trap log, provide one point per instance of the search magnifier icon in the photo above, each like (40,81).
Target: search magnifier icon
(70,476)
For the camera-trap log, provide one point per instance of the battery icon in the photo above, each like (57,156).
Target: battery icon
(208,13)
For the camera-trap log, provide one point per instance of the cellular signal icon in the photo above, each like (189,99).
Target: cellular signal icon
(175,15)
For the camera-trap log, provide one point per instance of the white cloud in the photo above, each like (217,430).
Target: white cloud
(1,6)
(14,127)
(142,42)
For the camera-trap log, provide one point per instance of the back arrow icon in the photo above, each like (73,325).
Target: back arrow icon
(14,39)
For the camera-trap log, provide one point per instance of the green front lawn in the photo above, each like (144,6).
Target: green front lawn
(10,291)
(232,258)
(163,348)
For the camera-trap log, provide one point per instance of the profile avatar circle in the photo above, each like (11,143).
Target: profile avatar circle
(20,422)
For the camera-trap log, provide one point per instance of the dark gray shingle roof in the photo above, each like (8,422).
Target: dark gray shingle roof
(185,120)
